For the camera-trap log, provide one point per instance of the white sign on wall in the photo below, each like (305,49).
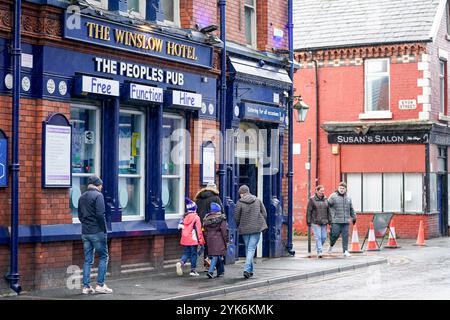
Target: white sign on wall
(57,155)
(187,99)
(100,86)
(146,93)
(407,104)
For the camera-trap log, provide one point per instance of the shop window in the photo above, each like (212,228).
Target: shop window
(443,87)
(131,164)
(171,11)
(136,8)
(387,192)
(250,22)
(173,164)
(85,150)
(376,85)
(433,193)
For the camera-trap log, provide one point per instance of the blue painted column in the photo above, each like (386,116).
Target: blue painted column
(154,207)
(110,159)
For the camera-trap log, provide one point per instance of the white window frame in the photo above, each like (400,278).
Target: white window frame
(97,146)
(102,4)
(442,86)
(176,15)
(140,175)
(141,13)
(380,114)
(253,23)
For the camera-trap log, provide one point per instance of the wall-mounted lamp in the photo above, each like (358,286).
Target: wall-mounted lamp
(301,107)
(209,29)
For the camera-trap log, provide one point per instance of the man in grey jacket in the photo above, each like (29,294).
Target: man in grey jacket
(91,212)
(251,216)
(341,209)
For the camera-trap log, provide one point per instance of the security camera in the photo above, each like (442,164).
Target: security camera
(285,94)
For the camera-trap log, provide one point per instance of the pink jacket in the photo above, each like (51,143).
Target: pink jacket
(188,235)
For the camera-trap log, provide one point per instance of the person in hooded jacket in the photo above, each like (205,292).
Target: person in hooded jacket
(203,199)
(191,237)
(216,236)
(250,216)
(318,216)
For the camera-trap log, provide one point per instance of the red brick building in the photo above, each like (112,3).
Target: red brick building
(129,142)
(378,116)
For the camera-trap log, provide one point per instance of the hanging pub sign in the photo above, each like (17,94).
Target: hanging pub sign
(57,152)
(208,164)
(405,137)
(3,160)
(142,40)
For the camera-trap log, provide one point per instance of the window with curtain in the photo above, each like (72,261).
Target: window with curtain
(354,189)
(392,192)
(131,163)
(413,192)
(372,195)
(376,85)
(85,122)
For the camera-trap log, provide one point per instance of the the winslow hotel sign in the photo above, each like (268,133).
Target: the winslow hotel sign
(118,36)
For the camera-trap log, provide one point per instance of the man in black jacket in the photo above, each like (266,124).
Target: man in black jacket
(318,216)
(91,212)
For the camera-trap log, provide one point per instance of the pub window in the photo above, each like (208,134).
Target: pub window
(173,164)
(443,86)
(131,164)
(85,122)
(376,85)
(171,11)
(136,8)
(250,22)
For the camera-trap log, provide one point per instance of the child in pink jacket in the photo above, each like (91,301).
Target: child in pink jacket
(191,237)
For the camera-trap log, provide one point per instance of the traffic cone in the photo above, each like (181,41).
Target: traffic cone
(421,236)
(392,242)
(355,248)
(372,243)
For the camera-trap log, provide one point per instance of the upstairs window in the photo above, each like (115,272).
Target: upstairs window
(171,11)
(376,85)
(447,11)
(102,4)
(250,22)
(136,8)
(443,87)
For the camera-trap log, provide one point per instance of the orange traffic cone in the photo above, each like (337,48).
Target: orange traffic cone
(421,235)
(355,248)
(372,243)
(392,242)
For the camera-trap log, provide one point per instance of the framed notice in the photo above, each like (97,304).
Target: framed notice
(57,152)
(3,160)
(208,164)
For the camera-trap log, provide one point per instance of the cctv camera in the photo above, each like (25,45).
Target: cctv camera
(285,94)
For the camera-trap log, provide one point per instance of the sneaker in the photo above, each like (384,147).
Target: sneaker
(347,254)
(210,275)
(330,249)
(88,290)
(103,289)
(179,269)
(251,274)
(247,275)
(194,273)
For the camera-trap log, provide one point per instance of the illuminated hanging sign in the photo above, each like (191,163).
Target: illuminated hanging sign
(142,40)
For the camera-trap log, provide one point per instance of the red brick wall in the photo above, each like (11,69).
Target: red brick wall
(200,12)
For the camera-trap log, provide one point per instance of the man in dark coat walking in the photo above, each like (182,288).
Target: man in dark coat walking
(250,216)
(318,216)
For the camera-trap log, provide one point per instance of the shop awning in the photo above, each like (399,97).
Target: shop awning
(250,68)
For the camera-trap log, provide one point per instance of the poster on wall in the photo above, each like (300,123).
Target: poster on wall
(208,163)
(3,160)
(57,151)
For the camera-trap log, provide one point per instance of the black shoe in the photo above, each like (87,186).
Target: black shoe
(219,275)
(251,274)
(247,274)
(210,275)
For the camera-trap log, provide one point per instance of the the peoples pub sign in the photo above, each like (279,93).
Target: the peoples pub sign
(142,40)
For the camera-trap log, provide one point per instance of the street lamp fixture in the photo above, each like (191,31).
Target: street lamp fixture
(301,107)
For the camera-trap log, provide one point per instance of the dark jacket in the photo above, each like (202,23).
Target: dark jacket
(250,215)
(341,208)
(216,233)
(318,211)
(203,200)
(91,212)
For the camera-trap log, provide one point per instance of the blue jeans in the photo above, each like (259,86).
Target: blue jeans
(220,265)
(251,241)
(320,236)
(190,252)
(97,242)
(336,230)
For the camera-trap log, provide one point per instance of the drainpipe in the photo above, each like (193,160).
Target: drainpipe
(290,174)
(223,97)
(13,276)
(316,70)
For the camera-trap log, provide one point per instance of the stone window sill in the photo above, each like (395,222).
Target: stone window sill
(375,115)
(443,117)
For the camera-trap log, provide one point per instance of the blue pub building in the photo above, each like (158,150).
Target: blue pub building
(145,105)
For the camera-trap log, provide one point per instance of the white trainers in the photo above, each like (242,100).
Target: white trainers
(88,290)
(347,254)
(103,289)
(194,274)
(330,249)
(179,269)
